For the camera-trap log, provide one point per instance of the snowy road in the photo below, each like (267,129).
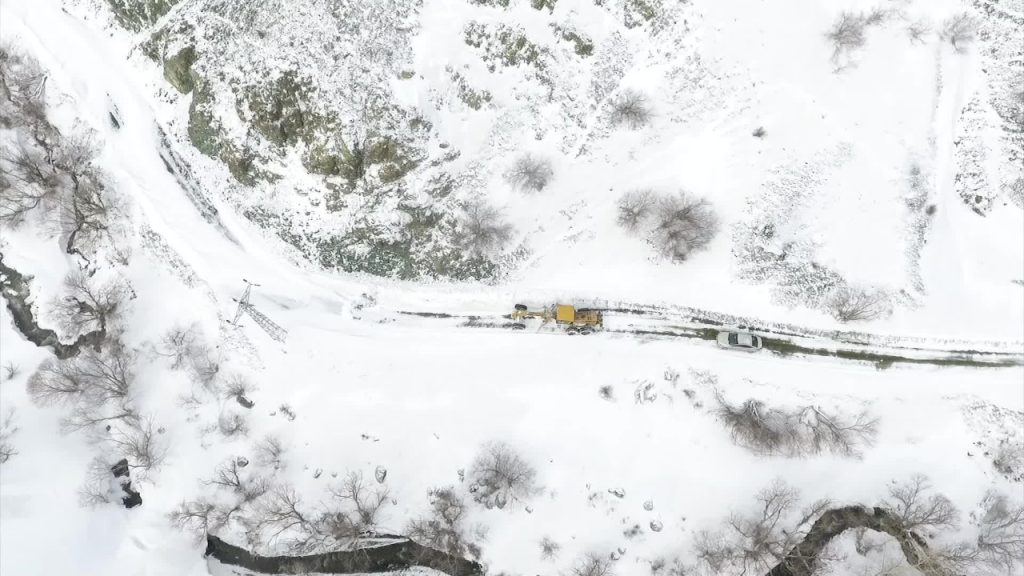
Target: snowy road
(216,248)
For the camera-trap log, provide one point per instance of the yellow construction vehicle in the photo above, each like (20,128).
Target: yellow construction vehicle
(573,320)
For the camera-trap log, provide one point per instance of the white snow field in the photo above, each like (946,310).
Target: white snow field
(632,460)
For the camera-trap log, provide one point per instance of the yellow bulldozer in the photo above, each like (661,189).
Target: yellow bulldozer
(566,316)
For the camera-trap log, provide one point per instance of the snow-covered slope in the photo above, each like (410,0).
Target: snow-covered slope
(857,181)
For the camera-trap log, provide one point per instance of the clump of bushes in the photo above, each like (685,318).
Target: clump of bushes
(676,226)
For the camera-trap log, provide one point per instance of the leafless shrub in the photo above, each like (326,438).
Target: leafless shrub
(549,548)
(683,225)
(960,31)
(141,445)
(443,528)
(631,109)
(483,229)
(231,424)
(798,432)
(635,209)
(606,392)
(200,517)
(911,503)
(592,565)
(756,542)
(99,487)
(178,342)
(270,452)
(1000,543)
(88,304)
(846,35)
(237,386)
(365,501)
(530,173)
(8,429)
(850,304)
(918,30)
(11,371)
(1008,457)
(499,476)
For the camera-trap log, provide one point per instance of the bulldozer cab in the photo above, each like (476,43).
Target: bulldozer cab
(565,314)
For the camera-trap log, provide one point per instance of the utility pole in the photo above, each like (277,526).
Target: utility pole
(245,307)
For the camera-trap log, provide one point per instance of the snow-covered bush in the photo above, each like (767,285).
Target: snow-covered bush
(592,565)
(635,208)
(270,452)
(683,224)
(499,475)
(549,548)
(444,527)
(530,173)
(850,304)
(483,229)
(846,34)
(631,110)
(960,30)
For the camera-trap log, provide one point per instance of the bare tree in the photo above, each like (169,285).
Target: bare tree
(141,445)
(530,173)
(635,209)
(631,109)
(8,429)
(443,528)
(178,342)
(483,229)
(365,502)
(846,35)
(92,377)
(499,476)
(592,565)
(683,225)
(1000,541)
(99,486)
(756,542)
(849,304)
(27,181)
(89,305)
(795,432)
(270,452)
(960,31)
(87,212)
(200,517)
(911,503)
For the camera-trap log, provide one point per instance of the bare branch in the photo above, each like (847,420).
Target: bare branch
(916,509)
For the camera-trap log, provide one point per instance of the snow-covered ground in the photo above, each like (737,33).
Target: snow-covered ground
(369,387)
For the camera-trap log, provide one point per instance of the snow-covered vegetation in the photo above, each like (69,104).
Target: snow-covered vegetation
(258,262)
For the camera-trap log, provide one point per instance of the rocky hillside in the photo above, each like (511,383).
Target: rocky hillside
(360,131)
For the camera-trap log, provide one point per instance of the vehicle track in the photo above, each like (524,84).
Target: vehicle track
(655,322)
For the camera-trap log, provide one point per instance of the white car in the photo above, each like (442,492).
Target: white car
(740,341)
